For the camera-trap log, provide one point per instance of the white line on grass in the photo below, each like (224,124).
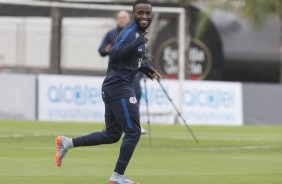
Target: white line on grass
(95,148)
(217,138)
(230,148)
(211,138)
(236,148)
(24,136)
(30,135)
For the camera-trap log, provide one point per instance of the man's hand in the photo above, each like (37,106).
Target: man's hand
(145,37)
(108,48)
(154,74)
(150,72)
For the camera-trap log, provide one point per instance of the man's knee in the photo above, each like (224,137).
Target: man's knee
(134,132)
(113,136)
(116,138)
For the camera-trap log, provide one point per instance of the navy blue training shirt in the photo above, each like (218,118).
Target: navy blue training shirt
(125,61)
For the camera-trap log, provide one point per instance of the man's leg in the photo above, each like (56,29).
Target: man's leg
(111,135)
(126,113)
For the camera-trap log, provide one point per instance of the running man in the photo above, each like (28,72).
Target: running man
(121,106)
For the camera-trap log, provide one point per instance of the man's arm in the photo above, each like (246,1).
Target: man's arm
(105,46)
(124,47)
(149,71)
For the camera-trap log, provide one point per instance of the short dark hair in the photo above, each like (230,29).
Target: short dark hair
(140,2)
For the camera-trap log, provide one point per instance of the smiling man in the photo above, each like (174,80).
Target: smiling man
(121,105)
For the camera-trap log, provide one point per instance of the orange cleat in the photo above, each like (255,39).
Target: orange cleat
(61,150)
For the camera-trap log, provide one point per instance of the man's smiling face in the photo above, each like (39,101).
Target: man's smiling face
(143,15)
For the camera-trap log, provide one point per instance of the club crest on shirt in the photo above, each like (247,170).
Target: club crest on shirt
(133,100)
(137,34)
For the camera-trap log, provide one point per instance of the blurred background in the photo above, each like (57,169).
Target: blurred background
(229,42)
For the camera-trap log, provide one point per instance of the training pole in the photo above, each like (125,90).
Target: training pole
(178,113)
(147,108)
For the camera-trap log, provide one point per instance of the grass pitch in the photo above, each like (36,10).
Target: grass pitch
(224,155)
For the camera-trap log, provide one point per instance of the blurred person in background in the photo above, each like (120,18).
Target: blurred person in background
(123,19)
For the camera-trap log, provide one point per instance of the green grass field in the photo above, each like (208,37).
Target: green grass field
(225,155)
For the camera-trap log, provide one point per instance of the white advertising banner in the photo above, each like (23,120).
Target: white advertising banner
(17,96)
(70,98)
(212,103)
(76,98)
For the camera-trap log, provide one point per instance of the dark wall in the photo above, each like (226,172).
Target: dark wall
(211,39)
(241,51)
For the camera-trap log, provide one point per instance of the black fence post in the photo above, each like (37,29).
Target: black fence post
(55,54)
